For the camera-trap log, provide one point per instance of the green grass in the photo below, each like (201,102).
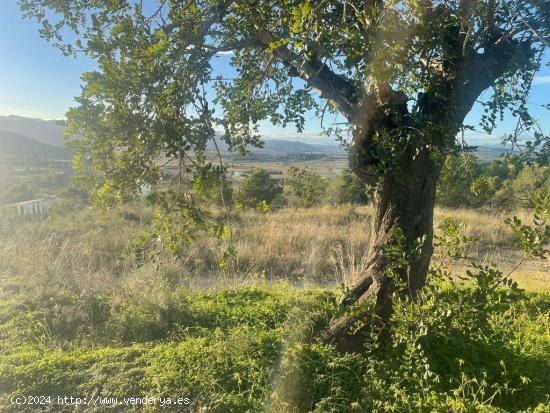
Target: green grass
(251,350)
(219,349)
(77,319)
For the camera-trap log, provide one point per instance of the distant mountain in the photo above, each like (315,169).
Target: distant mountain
(490,153)
(276,146)
(284,146)
(21,146)
(287,150)
(50,133)
(44,131)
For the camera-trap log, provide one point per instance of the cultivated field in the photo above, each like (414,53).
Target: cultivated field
(327,167)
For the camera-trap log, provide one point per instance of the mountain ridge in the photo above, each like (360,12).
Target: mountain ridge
(48,132)
(14,144)
(51,133)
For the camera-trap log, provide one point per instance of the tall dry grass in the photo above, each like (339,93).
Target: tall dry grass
(83,252)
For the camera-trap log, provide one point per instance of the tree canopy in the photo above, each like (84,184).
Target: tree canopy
(156,92)
(256,188)
(399,75)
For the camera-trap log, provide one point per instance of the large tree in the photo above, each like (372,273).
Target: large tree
(400,77)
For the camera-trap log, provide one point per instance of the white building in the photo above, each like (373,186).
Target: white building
(145,190)
(33,207)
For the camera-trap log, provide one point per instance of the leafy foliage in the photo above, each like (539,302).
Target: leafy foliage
(533,239)
(157,96)
(346,188)
(503,184)
(258,187)
(303,188)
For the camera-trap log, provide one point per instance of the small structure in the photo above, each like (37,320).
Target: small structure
(145,190)
(33,207)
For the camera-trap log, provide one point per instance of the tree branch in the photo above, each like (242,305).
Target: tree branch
(472,74)
(340,92)
(481,70)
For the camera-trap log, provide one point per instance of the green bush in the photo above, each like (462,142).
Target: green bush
(530,182)
(503,184)
(346,188)
(258,187)
(303,188)
(464,182)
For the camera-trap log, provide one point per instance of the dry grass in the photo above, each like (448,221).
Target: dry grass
(494,245)
(319,246)
(488,227)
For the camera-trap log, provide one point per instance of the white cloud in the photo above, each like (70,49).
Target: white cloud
(226,53)
(542,80)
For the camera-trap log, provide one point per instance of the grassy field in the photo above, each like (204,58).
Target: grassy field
(327,167)
(79,319)
(307,247)
(22,181)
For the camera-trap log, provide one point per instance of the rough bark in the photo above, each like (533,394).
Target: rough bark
(405,200)
(406,185)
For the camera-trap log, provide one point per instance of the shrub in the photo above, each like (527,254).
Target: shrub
(303,188)
(258,187)
(464,182)
(346,188)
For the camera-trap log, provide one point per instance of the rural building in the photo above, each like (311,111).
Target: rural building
(33,207)
(145,190)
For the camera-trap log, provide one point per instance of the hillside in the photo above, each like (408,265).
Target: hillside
(280,146)
(284,146)
(292,150)
(17,145)
(43,131)
(51,133)
(78,319)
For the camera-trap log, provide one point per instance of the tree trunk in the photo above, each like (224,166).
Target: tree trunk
(400,153)
(404,200)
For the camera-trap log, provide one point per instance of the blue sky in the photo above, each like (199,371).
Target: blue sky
(36,80)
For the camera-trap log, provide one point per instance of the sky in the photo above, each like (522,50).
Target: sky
(36,80)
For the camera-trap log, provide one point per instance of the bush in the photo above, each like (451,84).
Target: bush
(303,188)
(258,187)
(346,188)
(463,182)
(212,184)
(505,185)
(530,182)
